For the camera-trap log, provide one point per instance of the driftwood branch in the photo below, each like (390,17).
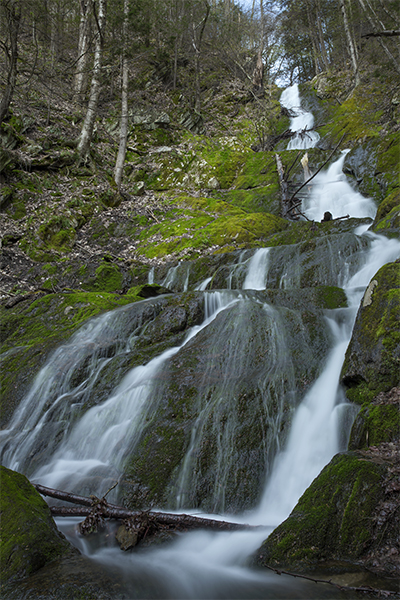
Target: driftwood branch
(282,184)
(366,589)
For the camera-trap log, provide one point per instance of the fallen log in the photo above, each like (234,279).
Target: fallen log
(105,510)
(179,521)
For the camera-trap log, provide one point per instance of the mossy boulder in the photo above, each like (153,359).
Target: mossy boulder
(372,362)
(29,537)
(347,517)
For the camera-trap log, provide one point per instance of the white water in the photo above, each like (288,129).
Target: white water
(331,192)
(257,270)
(302,122)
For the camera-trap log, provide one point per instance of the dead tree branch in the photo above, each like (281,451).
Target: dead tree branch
(317,171)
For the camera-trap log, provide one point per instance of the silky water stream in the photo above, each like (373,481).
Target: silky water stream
(57,443)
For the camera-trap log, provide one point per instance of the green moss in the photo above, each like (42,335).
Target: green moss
(259,170)
(108,278)
(261,199)
(357,117)
(388,161)
(374,425)
(29,538)
(333,518)
(210,222)
(331,297)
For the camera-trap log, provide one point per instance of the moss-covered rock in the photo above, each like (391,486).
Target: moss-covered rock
(348,516)
(387,220)
(372,362)
(29,538)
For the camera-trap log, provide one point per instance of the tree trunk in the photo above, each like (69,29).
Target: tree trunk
(80,80)
(123,134)
(321,37)
(88,125)
(196,40)
(350,43)
(11,52)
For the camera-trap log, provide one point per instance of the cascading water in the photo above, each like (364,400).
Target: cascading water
(331,192)
(302,122)
(61,434)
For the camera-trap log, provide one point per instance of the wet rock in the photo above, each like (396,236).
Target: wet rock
(126,538)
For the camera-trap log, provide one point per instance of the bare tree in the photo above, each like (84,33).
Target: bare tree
(197,37)
(123,134)
(350,43)
(10,48)
(85,137)
(377,24)
(80,80)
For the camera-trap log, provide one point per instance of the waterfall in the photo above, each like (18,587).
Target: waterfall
(302,122)
(255,278)
(75,422)
(331,192)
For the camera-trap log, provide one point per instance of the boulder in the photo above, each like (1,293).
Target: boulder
(29,537)
(347,519)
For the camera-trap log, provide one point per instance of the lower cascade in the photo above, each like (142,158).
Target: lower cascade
(233,413)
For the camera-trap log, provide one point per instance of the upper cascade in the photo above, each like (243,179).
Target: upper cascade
(302,122)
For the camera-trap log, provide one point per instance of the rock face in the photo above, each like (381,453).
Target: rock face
(372,364)
(29,537)
(373,357)
(350,514)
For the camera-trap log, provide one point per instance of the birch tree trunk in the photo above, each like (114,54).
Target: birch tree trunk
(80,79)
(11,55)
(123,134)
(350,43)
(85,137)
